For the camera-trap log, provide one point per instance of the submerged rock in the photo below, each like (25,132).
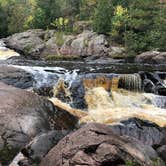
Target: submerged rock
(96,144)
(16,77)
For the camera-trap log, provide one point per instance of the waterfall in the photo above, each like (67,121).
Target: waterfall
(120,105)
(131,82)
(102,81)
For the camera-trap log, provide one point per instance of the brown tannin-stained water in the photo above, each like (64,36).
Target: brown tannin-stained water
(108,93)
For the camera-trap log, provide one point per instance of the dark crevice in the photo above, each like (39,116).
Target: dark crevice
(113,163)
(91,149)
(98,132)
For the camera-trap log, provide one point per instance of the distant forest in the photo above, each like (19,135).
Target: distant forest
(139,25)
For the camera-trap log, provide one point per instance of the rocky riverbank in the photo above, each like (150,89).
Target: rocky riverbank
(88,45)
(48,109)
(33,128)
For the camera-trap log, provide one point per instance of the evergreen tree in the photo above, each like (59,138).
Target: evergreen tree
(47,11)
(102,17)
(3,21)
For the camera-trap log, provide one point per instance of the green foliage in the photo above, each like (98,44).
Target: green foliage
(61,24)
(103,16)
(119,22)
(59,38)
(129,163)
(87,9)
(3,21)
(146,27)
(46,13)
(139,25)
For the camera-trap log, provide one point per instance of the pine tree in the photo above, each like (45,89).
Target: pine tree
(102,17)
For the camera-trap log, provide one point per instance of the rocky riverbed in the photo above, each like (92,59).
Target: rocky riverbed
(48,109)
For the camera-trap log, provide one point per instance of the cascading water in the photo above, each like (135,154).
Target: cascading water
(121,105)
(49,76)
(131,82)
(106,101)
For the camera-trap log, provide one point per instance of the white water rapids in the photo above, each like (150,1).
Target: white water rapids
(48,76)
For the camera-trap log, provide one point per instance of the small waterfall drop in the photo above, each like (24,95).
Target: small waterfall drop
(102,81)
(130,82)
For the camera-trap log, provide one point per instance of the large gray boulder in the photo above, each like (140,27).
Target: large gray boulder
(96,145)
(29,43)
(41,44)
(23,115)
(151,57)
(86,44)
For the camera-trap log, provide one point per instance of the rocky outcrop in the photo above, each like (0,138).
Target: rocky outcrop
(102,147)
(39,44)
(39,147)
(151,57)
(23,115)
(29,43)
(145,131)
(16,77)
(86,44)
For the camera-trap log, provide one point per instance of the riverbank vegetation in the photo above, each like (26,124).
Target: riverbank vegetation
(138,25)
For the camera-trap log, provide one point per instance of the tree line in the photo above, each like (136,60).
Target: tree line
(139,25)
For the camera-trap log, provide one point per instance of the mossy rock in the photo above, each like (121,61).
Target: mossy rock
(7,154)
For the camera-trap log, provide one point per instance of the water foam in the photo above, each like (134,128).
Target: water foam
(121,106)
(48,76)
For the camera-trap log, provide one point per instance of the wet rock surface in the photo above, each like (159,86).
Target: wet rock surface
(153,82)
(162,152)
(102,147)
(16,77)
(146,132)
